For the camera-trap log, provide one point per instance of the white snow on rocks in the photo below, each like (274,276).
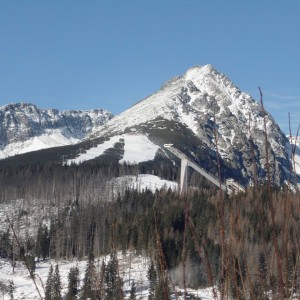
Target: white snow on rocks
(296,159)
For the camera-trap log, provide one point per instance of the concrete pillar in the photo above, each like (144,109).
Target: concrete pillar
(184,176)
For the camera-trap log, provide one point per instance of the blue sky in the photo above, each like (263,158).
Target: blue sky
(110,54)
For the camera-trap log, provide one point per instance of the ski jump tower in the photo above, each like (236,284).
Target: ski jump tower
(230,186)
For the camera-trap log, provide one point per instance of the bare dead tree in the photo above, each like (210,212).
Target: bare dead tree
(204,258)
(31,274)
(252,153)
(274,238)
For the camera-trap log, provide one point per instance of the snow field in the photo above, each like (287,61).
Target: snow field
(51,139)
(142,182)
(137,148)
(132,267)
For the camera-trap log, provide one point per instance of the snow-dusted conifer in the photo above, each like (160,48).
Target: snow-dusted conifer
(152,277)
(73,284)
(49,284)
(114,283)
(89,280)
(56,285)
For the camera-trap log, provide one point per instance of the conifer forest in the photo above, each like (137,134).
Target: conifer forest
(243,246)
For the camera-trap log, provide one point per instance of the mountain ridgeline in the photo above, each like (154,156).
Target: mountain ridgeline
(24,127)
(77,200)
(193,112)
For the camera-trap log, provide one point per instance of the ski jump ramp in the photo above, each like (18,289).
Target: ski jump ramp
(229,187)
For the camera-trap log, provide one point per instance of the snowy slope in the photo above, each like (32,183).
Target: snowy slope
(142,182)
(49,139)
(132,268)
(137,148)
(25,128)
(295,142)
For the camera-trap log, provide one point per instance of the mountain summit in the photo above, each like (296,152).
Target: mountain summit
(196,104)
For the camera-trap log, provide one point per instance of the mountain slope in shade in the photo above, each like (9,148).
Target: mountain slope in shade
(201,101)
(24,127)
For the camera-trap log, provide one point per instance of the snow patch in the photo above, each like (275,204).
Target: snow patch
(142,182)
(137,148)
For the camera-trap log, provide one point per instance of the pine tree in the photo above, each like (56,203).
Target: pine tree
(56,285)
(114,284)
(31,263)
(42,242)
(89,280)
(49,284)
(6,245)
(152,277)
(73,284)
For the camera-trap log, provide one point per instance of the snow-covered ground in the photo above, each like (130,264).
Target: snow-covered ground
(53,138)
(131,267)
(137,148)
(142,182)
(22,213)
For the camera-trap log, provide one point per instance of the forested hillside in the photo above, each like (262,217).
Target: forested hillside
(246,246)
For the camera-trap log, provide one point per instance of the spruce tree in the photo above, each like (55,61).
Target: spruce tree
(89,280)
(31,263)
(152,277)
(56,285)
(43,241)
(114,284)
(73,279)
(49,284)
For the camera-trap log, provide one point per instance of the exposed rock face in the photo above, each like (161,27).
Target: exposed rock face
(22,121)
(204,100)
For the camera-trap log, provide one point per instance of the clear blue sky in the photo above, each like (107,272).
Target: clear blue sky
(110,54)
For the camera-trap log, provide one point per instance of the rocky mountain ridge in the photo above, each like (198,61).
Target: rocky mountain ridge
(189,111)
(24,127)
(204,100)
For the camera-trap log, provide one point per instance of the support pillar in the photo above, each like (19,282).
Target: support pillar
(184,176)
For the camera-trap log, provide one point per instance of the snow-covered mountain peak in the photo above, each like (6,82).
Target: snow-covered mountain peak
(24,127)
(197,71)
(195,100)
(201,89)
